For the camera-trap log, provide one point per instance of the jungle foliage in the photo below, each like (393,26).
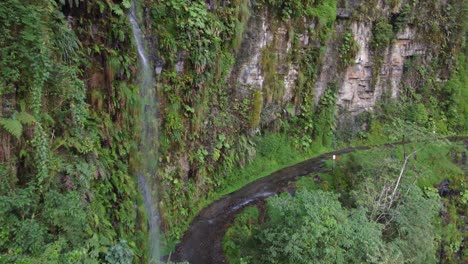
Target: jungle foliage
(66,190)
(361,218)
(70,111)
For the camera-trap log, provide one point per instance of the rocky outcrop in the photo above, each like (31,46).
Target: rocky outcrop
(260,39)
(359,89)
(357,92)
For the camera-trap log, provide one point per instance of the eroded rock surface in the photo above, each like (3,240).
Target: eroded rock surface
(358,90)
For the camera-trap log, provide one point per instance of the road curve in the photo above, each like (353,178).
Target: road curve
(201,243)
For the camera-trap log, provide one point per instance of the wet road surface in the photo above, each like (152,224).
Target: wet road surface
(202,242)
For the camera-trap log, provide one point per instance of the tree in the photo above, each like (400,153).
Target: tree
(313,227)
(398,204)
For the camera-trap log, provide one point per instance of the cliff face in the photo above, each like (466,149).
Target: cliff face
(242,68)
(225,71)
(357,91)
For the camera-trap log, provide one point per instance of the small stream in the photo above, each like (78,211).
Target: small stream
(149,136)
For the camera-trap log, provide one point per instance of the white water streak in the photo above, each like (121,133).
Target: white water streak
(149,136)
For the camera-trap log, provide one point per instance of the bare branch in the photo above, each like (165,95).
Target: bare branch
(399,178)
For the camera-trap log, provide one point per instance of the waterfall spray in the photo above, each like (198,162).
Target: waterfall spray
(149,137)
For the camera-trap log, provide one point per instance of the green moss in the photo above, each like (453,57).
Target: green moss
(325,12)
(256,109)
(325,117)
(366,11)
(302,125)
(348,50)
(273,84)
(382,35)
(243,14)
(401,19)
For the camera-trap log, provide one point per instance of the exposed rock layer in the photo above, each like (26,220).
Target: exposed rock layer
(357,91)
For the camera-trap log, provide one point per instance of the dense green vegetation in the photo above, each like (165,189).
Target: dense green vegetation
(66,189)
(318,229)
(361,219)
(214,144)
(70,124)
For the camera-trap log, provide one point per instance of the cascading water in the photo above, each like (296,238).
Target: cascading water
(149,136)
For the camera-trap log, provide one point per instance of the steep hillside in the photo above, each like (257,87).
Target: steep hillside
(318,71)
(239,83)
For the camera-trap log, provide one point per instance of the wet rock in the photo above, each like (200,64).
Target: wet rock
(343,13)
(317,179)
(445,190)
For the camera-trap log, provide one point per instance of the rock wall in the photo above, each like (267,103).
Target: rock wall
(248,70)
(262,64)
(263,37)
(357,91)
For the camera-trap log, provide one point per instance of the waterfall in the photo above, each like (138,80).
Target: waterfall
(149,136)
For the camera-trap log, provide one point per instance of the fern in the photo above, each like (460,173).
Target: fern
(12,126)
(25,118)
(71,3)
